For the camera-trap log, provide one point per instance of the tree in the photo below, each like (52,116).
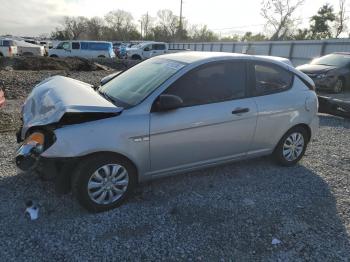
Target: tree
(120,24)
(202,33)
(94,28)
(75,26)
(147,23)
(301,34)
(320,28)
(279,16)
(340,19)
(72,28)
(248,36)
(231,38)
(168,24)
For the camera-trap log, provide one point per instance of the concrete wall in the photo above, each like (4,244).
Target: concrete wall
(299,52)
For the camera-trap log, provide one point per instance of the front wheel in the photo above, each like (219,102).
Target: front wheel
(103,182)
(291,147)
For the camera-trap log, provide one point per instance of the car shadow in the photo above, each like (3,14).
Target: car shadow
(232,211)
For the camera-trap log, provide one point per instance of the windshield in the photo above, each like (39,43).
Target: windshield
(332,60)
(135,84)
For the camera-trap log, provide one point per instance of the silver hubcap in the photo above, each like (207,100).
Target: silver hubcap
(108,183)
(293,146)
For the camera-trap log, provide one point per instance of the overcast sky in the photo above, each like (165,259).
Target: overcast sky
(33,17)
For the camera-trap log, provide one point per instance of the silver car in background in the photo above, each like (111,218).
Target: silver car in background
(167,115)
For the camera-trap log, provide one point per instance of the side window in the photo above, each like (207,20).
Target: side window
(271,79)
(84,45)
(211,84)
(148,48)
(159,47)
(66,45)
(75,45)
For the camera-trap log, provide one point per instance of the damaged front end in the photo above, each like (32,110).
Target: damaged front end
(55,103)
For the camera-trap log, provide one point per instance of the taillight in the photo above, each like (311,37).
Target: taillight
(10,50)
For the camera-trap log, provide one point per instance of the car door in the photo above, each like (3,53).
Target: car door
(67,50)
(216,123)
(158,49)
(278,103)
(76,49)
(147,51)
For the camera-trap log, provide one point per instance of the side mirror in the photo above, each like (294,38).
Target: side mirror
(168,102)
(147,49)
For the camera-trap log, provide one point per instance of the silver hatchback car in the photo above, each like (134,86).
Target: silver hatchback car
(167,115)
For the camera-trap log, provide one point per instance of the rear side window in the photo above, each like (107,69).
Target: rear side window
(75,45)
(99,46)
(158,47)
(211,84)
(7,43)
(271,78)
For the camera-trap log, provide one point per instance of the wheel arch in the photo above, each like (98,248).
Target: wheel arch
(303,125)
(115,154)
(136,57)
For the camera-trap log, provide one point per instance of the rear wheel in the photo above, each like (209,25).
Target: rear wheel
(54,56)
(339,86)
(292,146)
(136,57)
(103,182)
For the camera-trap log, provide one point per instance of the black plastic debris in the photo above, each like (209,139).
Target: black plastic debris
(334,106)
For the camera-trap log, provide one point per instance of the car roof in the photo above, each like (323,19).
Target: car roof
(198,56)
(340,53)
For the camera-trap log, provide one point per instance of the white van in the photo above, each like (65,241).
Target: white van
(86,49)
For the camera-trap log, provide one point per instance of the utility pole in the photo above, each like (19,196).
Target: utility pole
(180,26)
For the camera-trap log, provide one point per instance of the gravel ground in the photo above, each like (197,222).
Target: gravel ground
(228,213)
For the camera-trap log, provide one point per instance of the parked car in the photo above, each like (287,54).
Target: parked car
(8,48)
(166,115)
(86,49)
(330,72)
(2,98)
(147,50)
(28,49)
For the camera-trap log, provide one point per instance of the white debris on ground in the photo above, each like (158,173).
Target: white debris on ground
(275,241)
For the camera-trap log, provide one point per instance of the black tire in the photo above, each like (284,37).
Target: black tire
(278,154)
(339,86)
(1,55)
(136,57)
(54,56)
(85,172)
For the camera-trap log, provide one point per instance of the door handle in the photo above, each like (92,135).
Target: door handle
(240,111)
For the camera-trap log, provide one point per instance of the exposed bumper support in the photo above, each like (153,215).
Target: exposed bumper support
(27,157)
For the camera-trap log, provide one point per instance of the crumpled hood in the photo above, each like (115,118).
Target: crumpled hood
(57,95)
(315,69)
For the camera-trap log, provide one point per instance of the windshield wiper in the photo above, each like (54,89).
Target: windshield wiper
(108,97)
